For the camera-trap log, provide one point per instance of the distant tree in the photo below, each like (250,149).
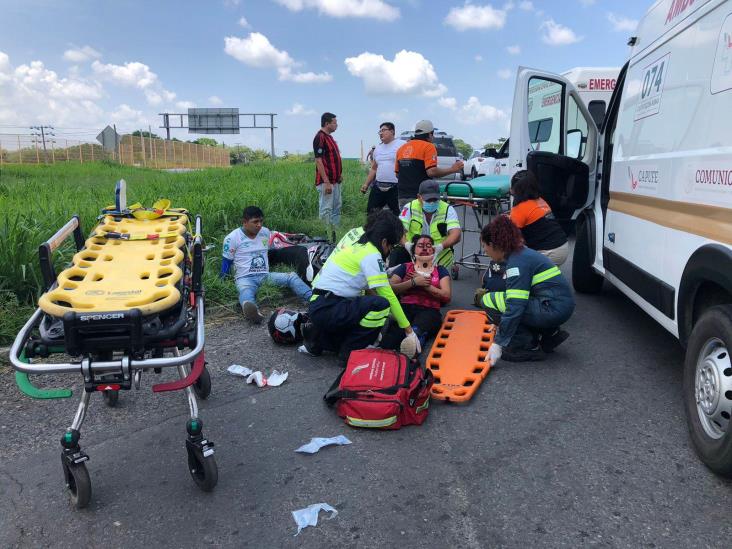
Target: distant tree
(497,145)
(148,135)
(206,141)
(465,148)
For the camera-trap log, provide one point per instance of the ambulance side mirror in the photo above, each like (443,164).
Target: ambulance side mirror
(575,144)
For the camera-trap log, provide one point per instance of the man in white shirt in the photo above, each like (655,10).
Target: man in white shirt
(246,249)
(381,178)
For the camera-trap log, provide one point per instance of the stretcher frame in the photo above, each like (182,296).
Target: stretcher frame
(481,208)
(120,367)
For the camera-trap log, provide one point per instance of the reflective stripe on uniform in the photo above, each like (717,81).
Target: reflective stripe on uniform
(495,300)
(314,297)
(357,422)
(545,275)
(377,279)
(372,323)
(517,294)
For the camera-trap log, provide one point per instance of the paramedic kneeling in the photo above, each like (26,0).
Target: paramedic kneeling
(343,320)
(537,300)
(429,215)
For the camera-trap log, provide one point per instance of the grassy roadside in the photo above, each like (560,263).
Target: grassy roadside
(36,200)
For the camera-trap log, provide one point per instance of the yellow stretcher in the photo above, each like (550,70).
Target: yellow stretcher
(132,301)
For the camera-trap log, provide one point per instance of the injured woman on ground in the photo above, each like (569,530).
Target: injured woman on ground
(423,287)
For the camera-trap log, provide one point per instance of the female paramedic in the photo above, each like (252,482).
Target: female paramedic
(537,300)
(423,287)
(341,318)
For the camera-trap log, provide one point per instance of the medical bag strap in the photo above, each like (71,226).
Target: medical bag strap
(334,393)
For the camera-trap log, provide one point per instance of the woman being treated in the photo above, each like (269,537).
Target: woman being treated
(423,287)
(536,302)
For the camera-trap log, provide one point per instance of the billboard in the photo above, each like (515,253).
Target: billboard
(213,120)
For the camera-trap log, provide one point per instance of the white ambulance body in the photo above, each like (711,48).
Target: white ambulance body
(652,191)
(595,86)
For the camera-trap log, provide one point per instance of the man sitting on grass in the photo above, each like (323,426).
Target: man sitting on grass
(246,248)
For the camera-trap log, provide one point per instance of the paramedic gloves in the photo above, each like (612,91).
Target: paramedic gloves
(478,296)
(438,250)
(410,345)
(494,354)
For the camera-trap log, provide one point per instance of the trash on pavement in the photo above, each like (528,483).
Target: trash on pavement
(309,516)
(317,443)
(238,370)
(276,379)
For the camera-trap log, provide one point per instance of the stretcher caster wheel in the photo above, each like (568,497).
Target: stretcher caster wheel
(111,398)
(78,482)
(202,386)
(203,470)
(455,272)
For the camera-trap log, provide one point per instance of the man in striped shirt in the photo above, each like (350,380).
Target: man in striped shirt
(328,170)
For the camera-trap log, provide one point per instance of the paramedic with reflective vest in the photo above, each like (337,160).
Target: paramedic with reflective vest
(537,300)
(429,215)
(341,318)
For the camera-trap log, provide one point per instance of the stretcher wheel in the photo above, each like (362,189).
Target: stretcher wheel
(111,398)
(455,271)
(78,482)
(203,470)
(202,386)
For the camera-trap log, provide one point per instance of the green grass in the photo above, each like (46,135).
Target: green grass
(36,200)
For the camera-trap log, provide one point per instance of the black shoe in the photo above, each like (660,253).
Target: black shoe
(551,342)
(523,355)
(310,339)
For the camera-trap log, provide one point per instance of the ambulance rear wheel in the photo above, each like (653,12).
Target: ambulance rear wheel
(708,388)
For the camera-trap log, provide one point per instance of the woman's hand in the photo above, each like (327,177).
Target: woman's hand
(421,281)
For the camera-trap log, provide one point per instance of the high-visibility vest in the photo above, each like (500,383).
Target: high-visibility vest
(414,227)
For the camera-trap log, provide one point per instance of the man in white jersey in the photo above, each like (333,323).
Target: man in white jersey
(246,249)
(381,177)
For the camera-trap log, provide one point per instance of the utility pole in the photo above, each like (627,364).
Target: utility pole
(43,135)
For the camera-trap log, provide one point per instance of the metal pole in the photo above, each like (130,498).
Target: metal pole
(271,135)
(116,145)
(45,152)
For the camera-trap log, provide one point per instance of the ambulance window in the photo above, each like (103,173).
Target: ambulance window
(597,111)
(576,121)
(544,114)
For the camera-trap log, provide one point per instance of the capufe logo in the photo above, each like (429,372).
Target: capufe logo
(677,8)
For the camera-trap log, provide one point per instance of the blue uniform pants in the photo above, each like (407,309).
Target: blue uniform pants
(346,324)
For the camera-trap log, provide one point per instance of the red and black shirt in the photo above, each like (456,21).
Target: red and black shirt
(325,147)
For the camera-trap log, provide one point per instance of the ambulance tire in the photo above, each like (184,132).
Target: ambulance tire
(584,279)
(708,349)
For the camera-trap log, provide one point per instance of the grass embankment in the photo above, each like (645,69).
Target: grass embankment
(37,200)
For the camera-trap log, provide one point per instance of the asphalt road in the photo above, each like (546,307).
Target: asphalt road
(588,448)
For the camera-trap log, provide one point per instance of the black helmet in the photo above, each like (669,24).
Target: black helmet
(285,325)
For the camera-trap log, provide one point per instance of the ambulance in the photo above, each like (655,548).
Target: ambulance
(651,191)
(595,86)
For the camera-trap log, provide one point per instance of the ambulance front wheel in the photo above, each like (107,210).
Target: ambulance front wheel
(708,388)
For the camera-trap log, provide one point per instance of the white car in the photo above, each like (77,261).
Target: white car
(481,162)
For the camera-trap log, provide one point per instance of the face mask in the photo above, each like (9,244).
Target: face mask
(430,207)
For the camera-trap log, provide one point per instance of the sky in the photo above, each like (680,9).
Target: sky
(80,65)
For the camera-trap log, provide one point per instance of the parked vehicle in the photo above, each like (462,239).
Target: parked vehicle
(652,192)
(447,153)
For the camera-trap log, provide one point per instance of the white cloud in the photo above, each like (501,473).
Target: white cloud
(478,58)
(558,35)
(80,55)
(257,51)
(373,9)
(137,75)
(31,93)
(505,74)
(526,6)
(513,50)
(448,103)
(299,110)
(285,73)
(129,117)
(243,23)
(471,16)
(622,24)
(473,112)
(215,100)
(393,116)
(185,105)
(409,73)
